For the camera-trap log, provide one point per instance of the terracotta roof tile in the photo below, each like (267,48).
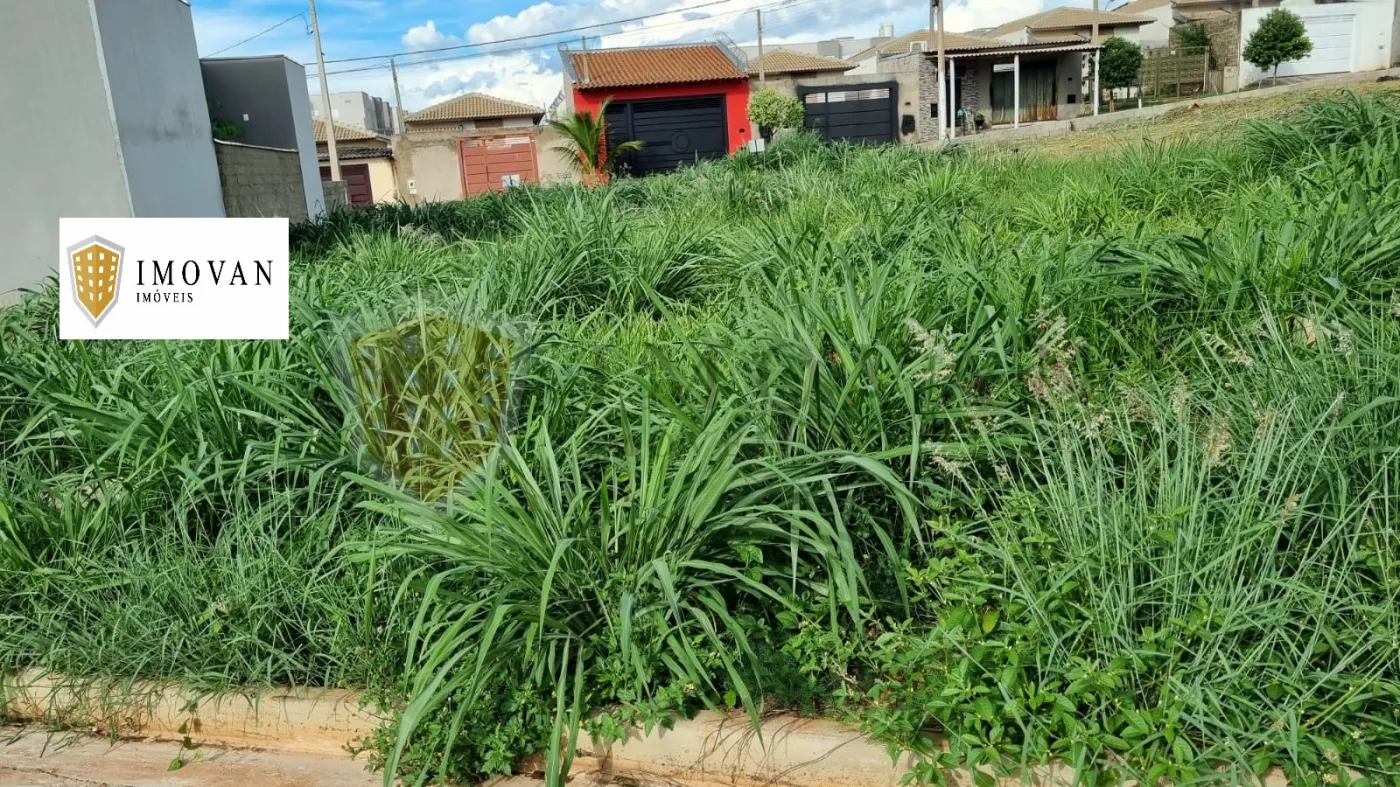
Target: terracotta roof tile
(1063,17)
(344,132)
(472,106)
(785,61)
(653,66)
(952,42)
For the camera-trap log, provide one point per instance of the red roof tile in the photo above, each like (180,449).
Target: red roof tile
(652,66)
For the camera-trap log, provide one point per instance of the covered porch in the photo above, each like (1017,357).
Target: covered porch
(1008,86)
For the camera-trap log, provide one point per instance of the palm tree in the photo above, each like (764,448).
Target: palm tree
(586,144)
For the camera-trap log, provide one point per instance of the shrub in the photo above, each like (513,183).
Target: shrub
(1279,38)
(771,109)
(1119,65)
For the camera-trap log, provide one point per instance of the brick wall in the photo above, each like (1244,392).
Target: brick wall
(969,87)
(928,96)
(260,181)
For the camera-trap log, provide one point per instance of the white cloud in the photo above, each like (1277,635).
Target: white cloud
(427,36)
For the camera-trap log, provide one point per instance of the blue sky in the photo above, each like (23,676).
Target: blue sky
(529,71)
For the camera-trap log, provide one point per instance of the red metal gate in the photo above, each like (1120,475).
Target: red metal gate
(496,163)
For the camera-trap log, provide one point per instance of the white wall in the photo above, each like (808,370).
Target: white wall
(62,158)
(1371,25)
(1158,33)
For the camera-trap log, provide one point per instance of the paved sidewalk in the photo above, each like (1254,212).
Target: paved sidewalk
(64,759)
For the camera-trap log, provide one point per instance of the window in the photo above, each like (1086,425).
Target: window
(917,46)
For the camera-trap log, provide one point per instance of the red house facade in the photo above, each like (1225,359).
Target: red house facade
(683,103)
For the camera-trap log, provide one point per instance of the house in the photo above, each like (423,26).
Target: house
(1157,33)
(781,69)
(997,81)
(1358,35)
(856,107)
(360,109)
(468,145)
(366,162)
(1067,21)
(1347,35)
(112,125)
(682,102)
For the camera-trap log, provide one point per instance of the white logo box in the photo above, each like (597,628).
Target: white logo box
(175,278)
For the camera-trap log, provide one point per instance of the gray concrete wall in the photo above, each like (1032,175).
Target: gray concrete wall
(261,182)
(163,126)
(63,157)
(255,88)
(299,101)
(1069,81)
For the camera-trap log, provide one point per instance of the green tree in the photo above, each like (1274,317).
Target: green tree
(1279,38)
(1119,64)
(1193,38)
(585,146)
(769,109)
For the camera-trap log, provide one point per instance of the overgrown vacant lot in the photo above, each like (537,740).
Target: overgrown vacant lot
(1091,459)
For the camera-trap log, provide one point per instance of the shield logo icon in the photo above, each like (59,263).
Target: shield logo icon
(96,267)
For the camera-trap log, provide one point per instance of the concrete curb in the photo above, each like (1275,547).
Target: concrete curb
(711,750)
(307,721)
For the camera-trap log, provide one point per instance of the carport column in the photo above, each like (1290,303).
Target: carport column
(1096,80)
(1016,91)
(952,96)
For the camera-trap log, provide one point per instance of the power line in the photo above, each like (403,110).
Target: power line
(781,5)
(534,35)
(260,35)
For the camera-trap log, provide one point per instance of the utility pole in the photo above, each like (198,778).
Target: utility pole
(758,12)
(583,60)
(935,11)
(1094,39)
(398,100)
(325,95)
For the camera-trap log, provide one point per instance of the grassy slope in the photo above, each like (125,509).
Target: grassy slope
(1092,458)
(1213,123)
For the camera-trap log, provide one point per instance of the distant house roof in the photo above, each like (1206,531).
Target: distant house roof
(356,153)
(344,132)
(474,106)
(957,42)
(786,61)
(607,68)
(1137,6)
(1065,18)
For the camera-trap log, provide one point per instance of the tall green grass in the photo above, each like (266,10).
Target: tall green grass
(1090,459)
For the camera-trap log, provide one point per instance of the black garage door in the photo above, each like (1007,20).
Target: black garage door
(859,113)
(673,132)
